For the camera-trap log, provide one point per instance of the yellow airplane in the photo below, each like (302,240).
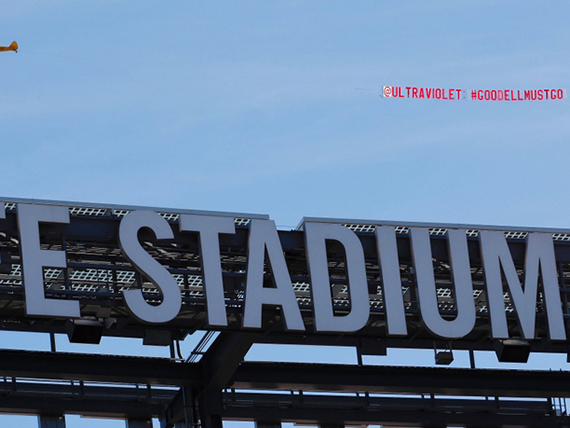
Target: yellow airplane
(12,47)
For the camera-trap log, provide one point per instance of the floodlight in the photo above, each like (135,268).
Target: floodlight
(372,347)
(512,350)
(157,337)
(445,357)
(84,331)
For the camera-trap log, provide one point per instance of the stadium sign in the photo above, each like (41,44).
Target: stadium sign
(538,284)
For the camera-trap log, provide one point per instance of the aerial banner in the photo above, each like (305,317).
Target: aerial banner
(545,94)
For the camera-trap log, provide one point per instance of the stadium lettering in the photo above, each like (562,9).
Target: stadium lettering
(265,252)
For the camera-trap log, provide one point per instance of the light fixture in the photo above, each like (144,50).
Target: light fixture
(445,357)
(512,350)
(157,337)
(84,331)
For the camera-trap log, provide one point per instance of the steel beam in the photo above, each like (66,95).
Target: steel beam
(331,377)
(138,406)
(223,358)
(181,409)
(218,365)
(97,401)
(398,418)
(288,376)
(59,365)
(430,411)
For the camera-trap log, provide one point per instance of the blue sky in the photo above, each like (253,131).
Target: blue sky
(274,108)
(254,107)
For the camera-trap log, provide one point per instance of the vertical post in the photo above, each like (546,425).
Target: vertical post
(45,421)
(359,355)
(114,279)
(189,407)
(210,409)
(66,281)
(563,287)
(181,412)
(52,342)
(186,288)
(472,358)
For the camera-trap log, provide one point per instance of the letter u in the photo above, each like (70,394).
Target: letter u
(462,284)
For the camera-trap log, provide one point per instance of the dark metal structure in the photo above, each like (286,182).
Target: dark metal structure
(214,383)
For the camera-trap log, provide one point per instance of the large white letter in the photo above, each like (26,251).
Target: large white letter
(146,265)
(209,228)
(427,293)
(263,236)
(539,254)
(34,259)
(391,281)
(316,235)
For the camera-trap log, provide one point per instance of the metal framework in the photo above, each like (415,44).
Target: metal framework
(214,383)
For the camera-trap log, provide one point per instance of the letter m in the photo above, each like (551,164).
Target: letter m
(539,263)
(527,95)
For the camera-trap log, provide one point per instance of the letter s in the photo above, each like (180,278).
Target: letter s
(146,265)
